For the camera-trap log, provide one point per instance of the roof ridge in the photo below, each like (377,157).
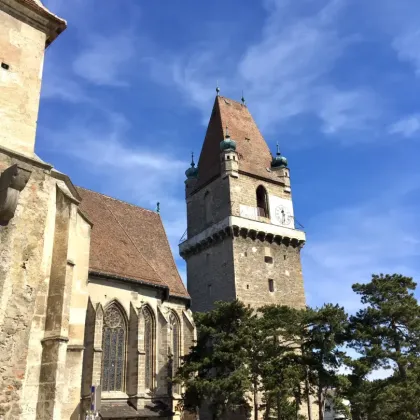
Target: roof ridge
(132,241)
(121,201)
(233,100)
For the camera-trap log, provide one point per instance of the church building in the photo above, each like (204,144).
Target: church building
(90,296)
(89,291)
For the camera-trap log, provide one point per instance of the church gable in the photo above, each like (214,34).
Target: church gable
(129,242)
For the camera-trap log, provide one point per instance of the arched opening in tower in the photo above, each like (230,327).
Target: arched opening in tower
(262,202)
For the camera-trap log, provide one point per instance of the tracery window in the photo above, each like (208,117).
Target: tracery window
(113,347)
(175,346)
(148,347)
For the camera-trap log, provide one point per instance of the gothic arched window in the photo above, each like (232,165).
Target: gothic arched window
(262,202)
(113,347)
(175,345)
(148,330)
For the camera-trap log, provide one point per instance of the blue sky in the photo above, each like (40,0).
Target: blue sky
(128,90)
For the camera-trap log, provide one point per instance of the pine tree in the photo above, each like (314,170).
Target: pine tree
(387,335)
(218,371)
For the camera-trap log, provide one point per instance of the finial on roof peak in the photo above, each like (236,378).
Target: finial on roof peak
(278,149)
(227,135)
(243,98)
(217,88)
(192,160)
(158,207)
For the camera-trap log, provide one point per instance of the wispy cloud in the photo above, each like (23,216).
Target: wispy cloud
(104,59)
(407,126)
(350,244)
(286,73)
(136,172)
(407,46)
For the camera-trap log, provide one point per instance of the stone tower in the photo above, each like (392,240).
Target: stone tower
(26,29)
(44,237)
(242,240)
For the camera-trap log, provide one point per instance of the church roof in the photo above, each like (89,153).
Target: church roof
(130,242)
(254,154)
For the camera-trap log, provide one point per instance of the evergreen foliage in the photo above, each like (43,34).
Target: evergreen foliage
(277,359)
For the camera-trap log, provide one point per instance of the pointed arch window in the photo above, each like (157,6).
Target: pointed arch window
(149,331)
(262,202)
(175,346)
(113,347)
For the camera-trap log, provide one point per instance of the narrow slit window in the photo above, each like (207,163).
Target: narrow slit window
(148,347)
(175,347)
(271,285)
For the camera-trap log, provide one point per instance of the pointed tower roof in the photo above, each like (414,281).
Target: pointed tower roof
(254,154)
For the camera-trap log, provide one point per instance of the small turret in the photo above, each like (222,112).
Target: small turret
(191,173)
(229,157)
(279,165)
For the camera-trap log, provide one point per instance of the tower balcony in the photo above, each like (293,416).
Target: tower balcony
(235,226)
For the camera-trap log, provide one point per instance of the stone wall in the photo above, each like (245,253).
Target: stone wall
(253,270)
(43,261)
(22,49)
(207,206)
(210,276)
(243,191)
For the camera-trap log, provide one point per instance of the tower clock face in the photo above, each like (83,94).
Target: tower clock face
(283,215)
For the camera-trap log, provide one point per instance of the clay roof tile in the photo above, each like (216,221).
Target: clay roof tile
(130,242)
(254,155)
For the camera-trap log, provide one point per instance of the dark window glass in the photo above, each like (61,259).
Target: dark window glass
(175,344)
(148,348)
(113,345)
(262,202)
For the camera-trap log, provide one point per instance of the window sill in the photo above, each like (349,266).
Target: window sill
(114,395)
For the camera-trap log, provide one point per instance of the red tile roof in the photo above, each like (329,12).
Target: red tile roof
(59,24)
(129,242)
(254,154)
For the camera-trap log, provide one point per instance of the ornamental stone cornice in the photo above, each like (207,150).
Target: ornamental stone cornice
(239,227)
(12,181)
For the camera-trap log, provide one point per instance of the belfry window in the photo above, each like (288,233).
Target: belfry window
(113,346)
(148,331)
(262,202)
(175,347)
